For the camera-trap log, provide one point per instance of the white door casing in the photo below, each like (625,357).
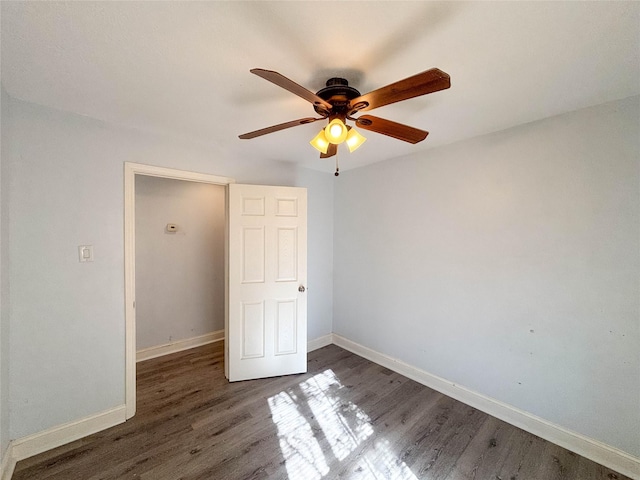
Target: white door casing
(266,331)
(130,172)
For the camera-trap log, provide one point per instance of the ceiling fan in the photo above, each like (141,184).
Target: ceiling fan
(338,101)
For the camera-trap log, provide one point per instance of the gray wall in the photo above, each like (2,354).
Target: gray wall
(319,251)
(508,264)
(179,275)
(67,322)
(5,154)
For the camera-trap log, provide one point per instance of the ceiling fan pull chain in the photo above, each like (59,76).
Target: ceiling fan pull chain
(337,166)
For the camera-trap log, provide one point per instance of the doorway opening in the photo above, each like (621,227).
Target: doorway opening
(131,171)
(180,239)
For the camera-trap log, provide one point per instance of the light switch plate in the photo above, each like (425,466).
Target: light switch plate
(85,253)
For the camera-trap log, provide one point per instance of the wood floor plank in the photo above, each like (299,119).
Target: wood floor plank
(481,458)
(525,453)
(346,418)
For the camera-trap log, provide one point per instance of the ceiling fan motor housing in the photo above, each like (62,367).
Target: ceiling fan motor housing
(338,93)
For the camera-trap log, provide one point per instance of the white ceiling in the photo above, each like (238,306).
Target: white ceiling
(183,68)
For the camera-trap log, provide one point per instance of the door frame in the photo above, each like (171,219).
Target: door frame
(130,172)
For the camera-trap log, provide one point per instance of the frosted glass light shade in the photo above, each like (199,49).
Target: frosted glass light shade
(336,131)
(320,142)
(354,139)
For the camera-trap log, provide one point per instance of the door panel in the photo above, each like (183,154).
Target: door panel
(252,333)
(287,254)
(253,246)
(286,340)
(267,323)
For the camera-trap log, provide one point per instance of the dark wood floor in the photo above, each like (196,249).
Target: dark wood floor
(346,418)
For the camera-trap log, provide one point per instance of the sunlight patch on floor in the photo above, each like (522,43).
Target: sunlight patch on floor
(380,463)
(301,451)
(343,425)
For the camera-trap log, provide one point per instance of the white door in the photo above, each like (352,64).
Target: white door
(266,332)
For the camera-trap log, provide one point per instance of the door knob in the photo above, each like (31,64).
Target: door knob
(301,289)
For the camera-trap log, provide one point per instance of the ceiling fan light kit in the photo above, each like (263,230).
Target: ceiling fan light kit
(338,101)
(335,133)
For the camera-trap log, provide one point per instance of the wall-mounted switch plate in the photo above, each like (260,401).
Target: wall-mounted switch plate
(85,253)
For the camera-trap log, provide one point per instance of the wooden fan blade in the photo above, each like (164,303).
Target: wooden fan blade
(426,82)
(293,87)
(391,129)
(331,151)
(275,128)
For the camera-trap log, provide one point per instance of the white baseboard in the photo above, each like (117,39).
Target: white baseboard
(599,452)
(8,464)
(68,432)
(57,436)
(178,345)
(319,342)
